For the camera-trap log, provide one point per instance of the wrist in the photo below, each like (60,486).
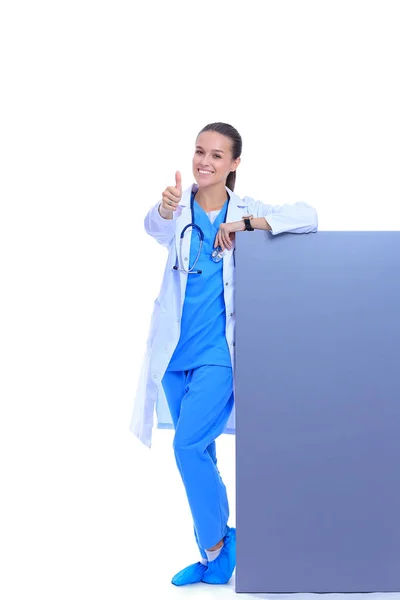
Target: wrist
(248,223)
(165,214)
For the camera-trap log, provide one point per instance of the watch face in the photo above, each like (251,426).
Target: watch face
(247,217)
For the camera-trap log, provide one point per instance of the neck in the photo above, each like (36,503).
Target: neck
(211,198)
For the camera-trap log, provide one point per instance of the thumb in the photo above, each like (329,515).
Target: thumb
(178,181)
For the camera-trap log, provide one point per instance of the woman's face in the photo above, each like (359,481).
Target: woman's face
(212,160)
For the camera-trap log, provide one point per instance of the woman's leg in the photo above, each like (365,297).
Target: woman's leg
(174,384)
(204,411)
(212,451)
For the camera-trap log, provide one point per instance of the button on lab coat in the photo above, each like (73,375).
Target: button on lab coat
(165,321)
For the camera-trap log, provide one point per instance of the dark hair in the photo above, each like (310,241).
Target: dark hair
(236,139)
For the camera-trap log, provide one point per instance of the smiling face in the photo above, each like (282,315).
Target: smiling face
(212,160)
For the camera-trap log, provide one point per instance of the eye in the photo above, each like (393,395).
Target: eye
(199,152)
(217,156)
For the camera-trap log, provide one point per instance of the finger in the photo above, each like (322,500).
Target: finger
(178,181)
(175,192)
(170,196)
(227,241)
(169,202)
(221,240)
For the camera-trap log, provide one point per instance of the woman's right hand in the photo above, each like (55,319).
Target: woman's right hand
(171,197)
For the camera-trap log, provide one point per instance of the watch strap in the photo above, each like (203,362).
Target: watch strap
(247,224)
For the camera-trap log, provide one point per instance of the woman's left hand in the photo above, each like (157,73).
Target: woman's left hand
(226,234)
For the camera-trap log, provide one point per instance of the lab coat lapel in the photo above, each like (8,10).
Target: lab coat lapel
(237,208)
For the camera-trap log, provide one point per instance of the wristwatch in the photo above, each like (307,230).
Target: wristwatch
(247,224)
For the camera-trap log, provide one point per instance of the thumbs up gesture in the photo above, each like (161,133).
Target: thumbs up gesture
(172,195)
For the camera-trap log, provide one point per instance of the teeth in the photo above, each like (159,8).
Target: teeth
(205,172)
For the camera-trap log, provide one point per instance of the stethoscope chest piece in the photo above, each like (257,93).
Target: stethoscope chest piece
(217,254)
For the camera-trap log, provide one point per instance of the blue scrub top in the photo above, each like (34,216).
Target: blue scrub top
(202,340)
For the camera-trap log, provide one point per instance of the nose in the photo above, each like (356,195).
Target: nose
(205,161)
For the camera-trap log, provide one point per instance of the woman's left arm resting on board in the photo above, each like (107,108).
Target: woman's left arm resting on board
(292,218)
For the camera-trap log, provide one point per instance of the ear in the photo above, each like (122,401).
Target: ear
(236,163)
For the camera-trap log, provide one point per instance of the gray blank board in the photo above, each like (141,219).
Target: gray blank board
(318,412)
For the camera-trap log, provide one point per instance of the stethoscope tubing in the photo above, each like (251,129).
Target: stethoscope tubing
(200,233)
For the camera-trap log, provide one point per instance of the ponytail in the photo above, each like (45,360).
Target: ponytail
(230,180)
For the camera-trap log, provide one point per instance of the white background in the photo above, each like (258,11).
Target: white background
(101,103)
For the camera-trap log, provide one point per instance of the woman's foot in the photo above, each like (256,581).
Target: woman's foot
(220,570)
(191,574)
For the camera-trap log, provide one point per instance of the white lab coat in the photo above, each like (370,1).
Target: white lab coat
(165,322)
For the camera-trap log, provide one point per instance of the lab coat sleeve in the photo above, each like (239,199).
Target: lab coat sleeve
(292,218)
(163,230)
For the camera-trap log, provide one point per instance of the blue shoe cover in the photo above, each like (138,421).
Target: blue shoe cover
(220,570)
(191,574)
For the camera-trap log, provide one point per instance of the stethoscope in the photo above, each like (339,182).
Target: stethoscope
(216,255)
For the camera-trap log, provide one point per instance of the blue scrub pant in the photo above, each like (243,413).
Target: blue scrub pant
(200,402)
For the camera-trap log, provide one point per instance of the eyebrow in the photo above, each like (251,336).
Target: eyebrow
(215,150)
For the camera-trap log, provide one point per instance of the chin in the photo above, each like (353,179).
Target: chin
(202,181)
(203,184)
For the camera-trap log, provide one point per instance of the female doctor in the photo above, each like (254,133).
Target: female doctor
(188,372)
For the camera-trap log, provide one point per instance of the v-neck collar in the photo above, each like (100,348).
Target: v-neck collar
(223,207)
(204,219)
